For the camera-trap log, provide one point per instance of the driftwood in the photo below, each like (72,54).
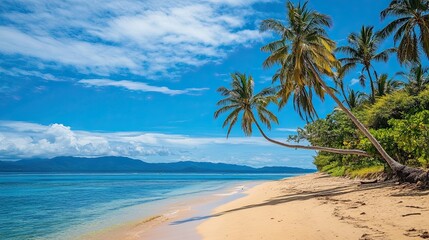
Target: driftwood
(369,181)
(411,214)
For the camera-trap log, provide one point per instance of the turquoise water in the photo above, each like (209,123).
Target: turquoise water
(63,206)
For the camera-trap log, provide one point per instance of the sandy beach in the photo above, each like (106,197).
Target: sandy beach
(313,206)
(317,206)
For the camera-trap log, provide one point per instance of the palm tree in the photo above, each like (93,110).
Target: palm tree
(411,27)
(355,98)
(309,57)
(362,49)
(386,85)
(417,79)
(241,100)
(339,83)
(302,56)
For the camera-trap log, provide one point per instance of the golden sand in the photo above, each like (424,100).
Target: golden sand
(317,206)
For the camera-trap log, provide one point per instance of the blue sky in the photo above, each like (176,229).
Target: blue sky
(139,78)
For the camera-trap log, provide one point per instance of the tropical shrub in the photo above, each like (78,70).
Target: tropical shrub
(400,121)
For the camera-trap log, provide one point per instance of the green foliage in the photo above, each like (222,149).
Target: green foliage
(363,49)
(409,27)
(366,172)
(399,121)
(304,53)
(329,164)
(424,98)
(385,85)
(412,136)
(336,130)
(417,79)
(241,99)
(394,106)
(388,107)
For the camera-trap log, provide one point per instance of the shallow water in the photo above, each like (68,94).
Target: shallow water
(63,206)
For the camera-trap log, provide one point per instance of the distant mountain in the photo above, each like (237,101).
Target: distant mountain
(124,165)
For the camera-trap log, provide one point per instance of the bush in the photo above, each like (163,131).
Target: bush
(399,121)
(412,136)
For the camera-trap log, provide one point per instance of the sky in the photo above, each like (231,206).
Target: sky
(138,78)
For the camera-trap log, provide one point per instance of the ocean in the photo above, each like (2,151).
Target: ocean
(65,206)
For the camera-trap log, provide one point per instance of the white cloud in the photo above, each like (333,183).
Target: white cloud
(28,140)
(354,81)
(16,72)
(286,129)
(149,38)
(139,86)
(237,2)
(81,54)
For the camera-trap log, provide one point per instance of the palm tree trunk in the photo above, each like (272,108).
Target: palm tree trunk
(316,148)
(405,173)
(372,85)
(344,95)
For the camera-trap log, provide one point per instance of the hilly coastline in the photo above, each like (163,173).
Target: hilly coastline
(124,165)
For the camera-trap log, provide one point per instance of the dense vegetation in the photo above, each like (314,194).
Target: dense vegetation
(400,122)
(385,128)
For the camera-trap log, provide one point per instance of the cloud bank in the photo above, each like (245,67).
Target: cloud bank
(20,140)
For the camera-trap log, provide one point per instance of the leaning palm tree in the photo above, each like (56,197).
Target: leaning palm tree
(386,85)
(240,100)
(363,49)
(309,58)
(417,79)
(410,26)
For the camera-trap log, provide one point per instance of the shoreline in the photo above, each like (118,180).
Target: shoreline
(317,206)
(185,224)
(173,218)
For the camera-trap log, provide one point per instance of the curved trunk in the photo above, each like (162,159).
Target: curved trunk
(316,148)
(405,173)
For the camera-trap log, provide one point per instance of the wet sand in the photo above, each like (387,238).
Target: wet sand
(176,221)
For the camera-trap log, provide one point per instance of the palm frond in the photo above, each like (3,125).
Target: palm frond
(241,99)
(410,27)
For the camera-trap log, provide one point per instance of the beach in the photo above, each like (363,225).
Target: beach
(317,206)
(180,218)
(313,206)
(214,120)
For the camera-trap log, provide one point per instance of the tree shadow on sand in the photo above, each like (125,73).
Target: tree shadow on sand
(297,196)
